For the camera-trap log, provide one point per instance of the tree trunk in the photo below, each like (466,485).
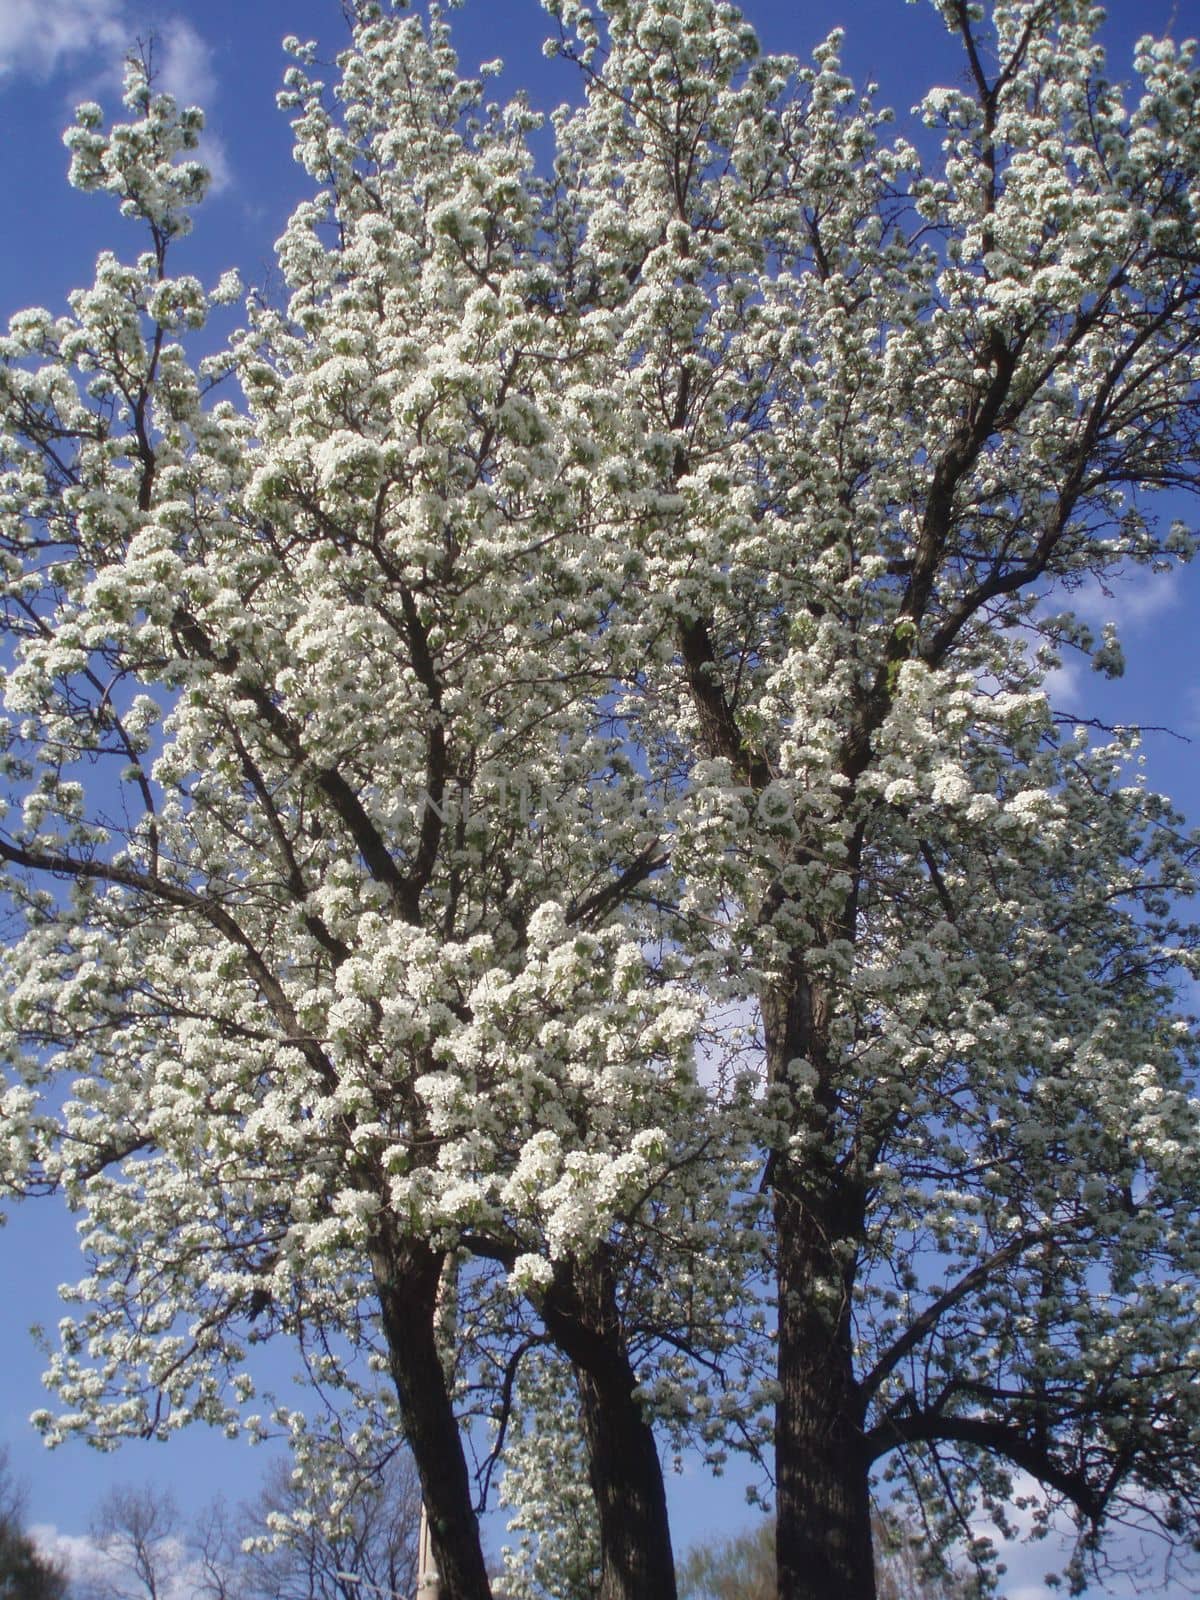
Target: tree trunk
(406,1279)
(823,1530)
(581,1316)
(822,1469)
(637,1562)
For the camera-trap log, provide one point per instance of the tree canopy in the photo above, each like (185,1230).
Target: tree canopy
(545,861)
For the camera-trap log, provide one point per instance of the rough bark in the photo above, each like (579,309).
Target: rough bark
(823,1540)
(581,1316)
(406,1278)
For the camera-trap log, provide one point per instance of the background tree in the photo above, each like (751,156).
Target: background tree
(625,594)
(743,1567)
(326,1529)
(26,1573)
(139,1534)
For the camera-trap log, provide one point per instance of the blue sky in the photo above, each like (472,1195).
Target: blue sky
(225,55)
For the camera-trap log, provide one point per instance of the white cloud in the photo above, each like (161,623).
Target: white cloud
(185,63)
(85,1561)
(1130,602)
(729,1044)
(186,66)
(41,38)
(75,1551)
(93,37)
(1065,687)
(1135,1559)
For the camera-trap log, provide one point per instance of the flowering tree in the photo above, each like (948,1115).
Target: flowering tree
(353,934)
(308,1537)
(621,597)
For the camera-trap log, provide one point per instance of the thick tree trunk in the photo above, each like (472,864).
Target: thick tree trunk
(406,1279)
(823,1527)
(626,1476)
(581,1316)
